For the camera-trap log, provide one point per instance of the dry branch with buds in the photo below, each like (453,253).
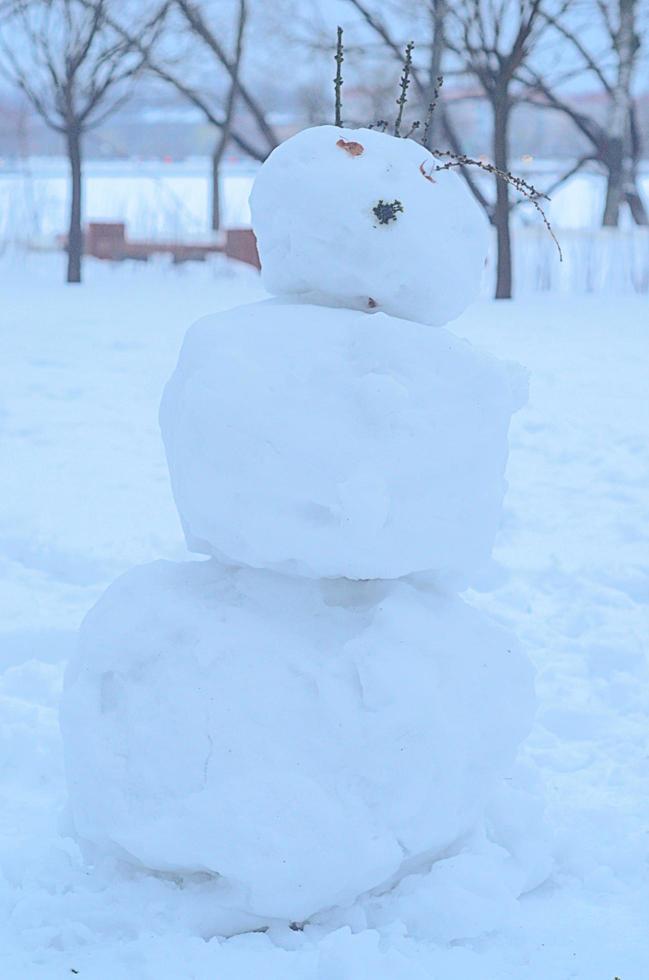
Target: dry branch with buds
(451,158)
(338,80)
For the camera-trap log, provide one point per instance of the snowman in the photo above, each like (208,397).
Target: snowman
(311,712)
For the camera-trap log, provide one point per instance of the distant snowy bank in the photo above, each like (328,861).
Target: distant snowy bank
(162,200)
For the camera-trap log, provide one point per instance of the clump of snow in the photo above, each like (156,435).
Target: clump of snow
(308,741)
(330,443)
(369,229)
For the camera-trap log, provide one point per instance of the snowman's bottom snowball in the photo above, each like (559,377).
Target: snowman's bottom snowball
(306,740)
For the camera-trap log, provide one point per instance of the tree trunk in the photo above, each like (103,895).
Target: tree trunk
(633,195)
(216,189)
(614,182)
(438,16)
(636,204)
(221,144)
(502,209)
(618,149)
(75,237)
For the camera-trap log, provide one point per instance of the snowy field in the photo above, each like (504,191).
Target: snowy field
(84,495)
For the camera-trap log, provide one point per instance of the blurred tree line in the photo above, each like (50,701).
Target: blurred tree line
(78,61)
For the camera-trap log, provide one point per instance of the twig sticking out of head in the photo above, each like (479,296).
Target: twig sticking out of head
(413,129)
(381,124)
(338,80)
(431,109)
(527,190)
(461,160)
(405,82)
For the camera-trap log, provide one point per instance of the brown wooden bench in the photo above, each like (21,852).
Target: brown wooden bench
(108,240)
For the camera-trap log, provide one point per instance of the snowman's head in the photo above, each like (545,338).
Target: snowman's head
(360,219)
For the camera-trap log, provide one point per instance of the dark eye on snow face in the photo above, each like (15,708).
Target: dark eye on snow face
(387,211)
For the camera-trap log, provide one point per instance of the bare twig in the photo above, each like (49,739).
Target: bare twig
(568,174)
(528,191)
(431,109)
(405,82)
(338,80)
(461,160)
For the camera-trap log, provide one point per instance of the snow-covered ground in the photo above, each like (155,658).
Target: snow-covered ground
(84,494)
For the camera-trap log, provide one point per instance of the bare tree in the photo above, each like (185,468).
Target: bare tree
(613,141)
(438,20)
(224,134)
(218,106)
(488,41)
(194,15)
(493,41)
(75,71)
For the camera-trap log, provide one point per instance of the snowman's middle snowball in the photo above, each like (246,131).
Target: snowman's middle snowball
(334,443)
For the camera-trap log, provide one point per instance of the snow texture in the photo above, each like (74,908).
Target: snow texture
(81,374)
(332,443)
(374,227)
(302,739)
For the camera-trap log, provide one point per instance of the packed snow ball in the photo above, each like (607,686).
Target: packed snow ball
(360,219)
(325,442)
(308,741)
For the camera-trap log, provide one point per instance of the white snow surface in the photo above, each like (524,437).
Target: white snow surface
(305,740)
(313,211)
(84,495)
(329,442)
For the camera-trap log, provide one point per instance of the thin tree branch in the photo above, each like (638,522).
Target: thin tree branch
(199,25)
(405,82)
(338,80)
